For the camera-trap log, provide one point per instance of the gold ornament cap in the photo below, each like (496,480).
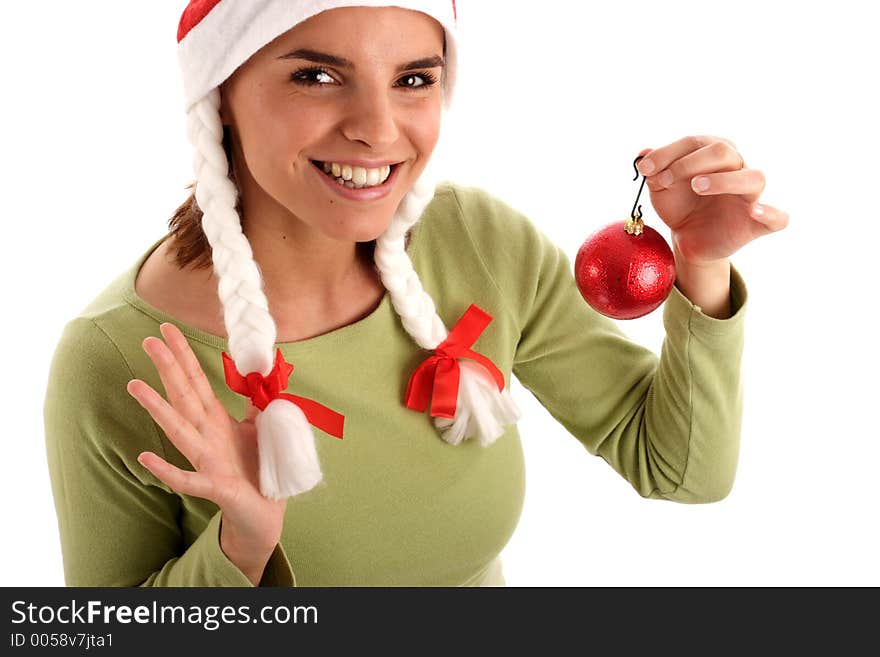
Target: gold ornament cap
(634,226)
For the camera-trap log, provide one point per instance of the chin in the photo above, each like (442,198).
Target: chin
(369,237)
(361,229)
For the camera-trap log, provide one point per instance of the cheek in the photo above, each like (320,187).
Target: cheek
(424,127)
(275,140)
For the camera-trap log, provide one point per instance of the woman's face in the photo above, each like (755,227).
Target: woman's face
(288,112)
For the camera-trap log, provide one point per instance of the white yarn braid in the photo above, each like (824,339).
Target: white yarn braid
(288,459)
(481,410)
(289,462)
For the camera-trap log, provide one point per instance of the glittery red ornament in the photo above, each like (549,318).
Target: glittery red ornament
(625,270)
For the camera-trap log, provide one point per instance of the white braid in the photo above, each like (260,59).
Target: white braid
(249,325)
(288,459)
(289,462)
(481,410)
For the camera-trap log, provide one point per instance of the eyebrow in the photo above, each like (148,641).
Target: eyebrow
(341,62)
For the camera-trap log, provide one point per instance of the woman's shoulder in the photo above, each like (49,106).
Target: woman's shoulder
(485,216)
(497,230)
(85,399)
(479,244)
(88,363)
(469,197)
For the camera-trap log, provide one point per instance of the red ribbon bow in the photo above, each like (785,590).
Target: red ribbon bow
(441,371)
(263,390)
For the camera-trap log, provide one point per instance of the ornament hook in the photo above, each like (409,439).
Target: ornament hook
(637,214)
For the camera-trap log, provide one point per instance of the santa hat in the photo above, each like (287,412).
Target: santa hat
(465,389)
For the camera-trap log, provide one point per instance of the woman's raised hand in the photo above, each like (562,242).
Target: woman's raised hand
(222,450)
(701,188)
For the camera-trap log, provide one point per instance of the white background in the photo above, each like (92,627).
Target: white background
(555,99)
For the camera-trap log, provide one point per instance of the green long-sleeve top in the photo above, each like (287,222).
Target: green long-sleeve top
(399,505)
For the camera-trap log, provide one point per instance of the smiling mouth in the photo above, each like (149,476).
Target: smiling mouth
(349,182)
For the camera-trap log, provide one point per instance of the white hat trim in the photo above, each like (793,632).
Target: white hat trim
(246,27)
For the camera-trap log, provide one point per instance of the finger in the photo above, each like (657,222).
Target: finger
(180,481)
(714,157)
(179,431)
(658,160)
(638,159)
(177,388)
(191,367)
(251,411)
(770,219)
(748,183)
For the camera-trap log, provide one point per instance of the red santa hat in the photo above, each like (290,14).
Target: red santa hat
(465,391)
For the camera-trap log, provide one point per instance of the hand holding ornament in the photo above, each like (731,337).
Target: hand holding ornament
(708,224)
(625,275)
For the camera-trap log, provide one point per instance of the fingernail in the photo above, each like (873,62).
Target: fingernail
(758,210)
(701,184)
(665,178)
(646,167)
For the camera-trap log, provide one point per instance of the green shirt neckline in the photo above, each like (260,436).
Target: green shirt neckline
(344,334)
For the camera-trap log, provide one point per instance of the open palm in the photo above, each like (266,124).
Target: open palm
(223,450)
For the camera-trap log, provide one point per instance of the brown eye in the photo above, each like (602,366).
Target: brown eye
(427,78)
(307,76)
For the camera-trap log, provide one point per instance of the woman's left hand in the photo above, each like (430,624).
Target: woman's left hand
(707,225)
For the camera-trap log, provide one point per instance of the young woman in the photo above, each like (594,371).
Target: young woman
(304,293)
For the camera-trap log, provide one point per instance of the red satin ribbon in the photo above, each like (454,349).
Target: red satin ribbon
(441,373)
(263,390)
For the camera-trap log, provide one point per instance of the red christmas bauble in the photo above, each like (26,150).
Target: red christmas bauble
(625,275)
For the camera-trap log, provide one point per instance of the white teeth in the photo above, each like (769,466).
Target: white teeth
(357,177)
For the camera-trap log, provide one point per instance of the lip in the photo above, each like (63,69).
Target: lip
(364,194)
(366,164)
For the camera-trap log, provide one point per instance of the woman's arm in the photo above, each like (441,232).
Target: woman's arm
(669,425)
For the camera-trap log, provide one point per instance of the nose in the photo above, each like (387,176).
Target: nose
(370,117)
